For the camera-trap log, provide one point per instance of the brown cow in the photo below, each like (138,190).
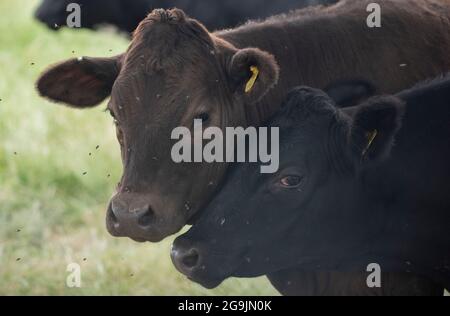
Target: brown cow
(175,71)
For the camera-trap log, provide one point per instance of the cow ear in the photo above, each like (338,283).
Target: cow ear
(80,82)
(253,73)
(346,93)
(375,125)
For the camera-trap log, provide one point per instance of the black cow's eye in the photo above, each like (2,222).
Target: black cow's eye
(202,116)
(291,181)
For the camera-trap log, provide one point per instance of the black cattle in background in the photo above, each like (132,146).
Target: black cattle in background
(126,14)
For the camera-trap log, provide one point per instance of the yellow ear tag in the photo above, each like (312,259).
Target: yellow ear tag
(370,137)
(252,80)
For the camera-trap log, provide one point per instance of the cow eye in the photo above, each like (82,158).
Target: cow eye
(111,113)
(119,135)
(202,116)
(291,181)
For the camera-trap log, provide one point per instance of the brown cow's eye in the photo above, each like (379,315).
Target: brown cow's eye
(119,135)
(111,113)
(291,181)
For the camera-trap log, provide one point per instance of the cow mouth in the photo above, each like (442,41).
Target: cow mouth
(207,283)
(194,218)
(195,215)
(210,279)
(139,240)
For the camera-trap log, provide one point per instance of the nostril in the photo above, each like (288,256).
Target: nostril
(147,218)
(113,219)
(191,259)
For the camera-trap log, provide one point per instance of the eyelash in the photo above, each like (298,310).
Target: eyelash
(111,113)
(120,136)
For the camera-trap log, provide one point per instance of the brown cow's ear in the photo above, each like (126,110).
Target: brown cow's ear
(375,125)
(253,73)
(80,82)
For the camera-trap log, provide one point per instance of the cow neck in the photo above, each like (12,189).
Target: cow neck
(258,114)
(389,246)
(398,243)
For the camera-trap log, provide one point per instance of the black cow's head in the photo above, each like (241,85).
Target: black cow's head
(301,215)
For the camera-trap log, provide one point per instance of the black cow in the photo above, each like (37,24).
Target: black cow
(355,186)
(126,14)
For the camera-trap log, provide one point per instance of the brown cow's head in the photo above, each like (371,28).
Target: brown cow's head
(173,72)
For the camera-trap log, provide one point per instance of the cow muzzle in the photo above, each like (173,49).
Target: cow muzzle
(189,260)
(134,216)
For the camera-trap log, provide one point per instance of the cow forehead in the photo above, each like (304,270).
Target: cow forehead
(169,28)
(194,83)
(172,60)
(135,97)
(174,46)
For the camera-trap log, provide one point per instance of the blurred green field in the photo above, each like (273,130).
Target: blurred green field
(50,213)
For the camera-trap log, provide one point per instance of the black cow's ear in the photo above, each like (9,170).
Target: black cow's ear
(253,73)
(347,93)
(375,125)
(80,82)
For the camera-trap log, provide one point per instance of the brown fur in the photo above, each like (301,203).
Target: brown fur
(332,43)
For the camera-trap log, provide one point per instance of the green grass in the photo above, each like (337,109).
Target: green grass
(50,214)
